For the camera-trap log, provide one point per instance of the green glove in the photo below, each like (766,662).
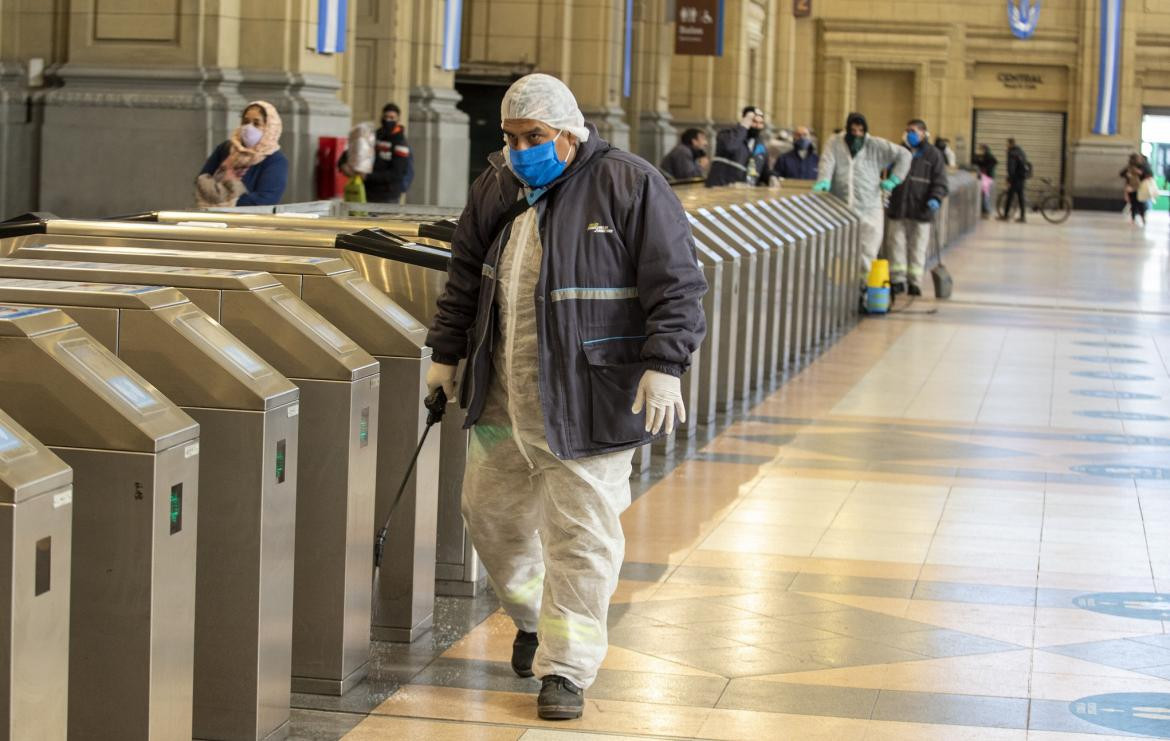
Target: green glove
(891,182)
(822,186)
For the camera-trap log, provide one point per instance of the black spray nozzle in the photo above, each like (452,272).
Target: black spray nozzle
(436,405)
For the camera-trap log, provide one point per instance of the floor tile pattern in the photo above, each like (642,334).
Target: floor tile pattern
(950,525)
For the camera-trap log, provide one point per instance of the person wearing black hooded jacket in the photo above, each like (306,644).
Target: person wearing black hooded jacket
(740,154)
(393,163)
(912,207)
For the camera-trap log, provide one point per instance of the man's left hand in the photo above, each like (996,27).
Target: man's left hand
(661,395)
(933,204)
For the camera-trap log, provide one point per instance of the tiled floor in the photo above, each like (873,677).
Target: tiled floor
(952,525)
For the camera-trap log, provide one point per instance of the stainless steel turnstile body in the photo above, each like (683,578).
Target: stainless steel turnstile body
(718,368)
(338,412)
(749,301)
(36,515)
(779,243)
(248,419)
(403,605)
(428,519)
(135,458)
(706,367)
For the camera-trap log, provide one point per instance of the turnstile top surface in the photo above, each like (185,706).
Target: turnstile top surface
(77,293)
(68,390)
(195,361)
(297,222)
(361,310)
(177,276)
(85,249)
(27,468)
(185,233)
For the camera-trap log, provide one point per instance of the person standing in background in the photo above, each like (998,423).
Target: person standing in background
(913,205)
(393,161)
(802,161)
(851,168)
(684,161)
(740,155)
(1018,172)
(248,169)
(986,162)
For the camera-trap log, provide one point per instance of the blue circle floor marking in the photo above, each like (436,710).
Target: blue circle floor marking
(1113,439)
(1155,473)
(1112,375)
(1147,713)
(1108,394)
(1108,344)
(1127,416)
(1106,359)
(1141,605)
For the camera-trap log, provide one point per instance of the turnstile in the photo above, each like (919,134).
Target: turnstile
(135,459)
(717,368)
(338,417)
(749,303)
(794,242)
(782,211)
(36,514)
(403,605)
(779,243)
(428,520)
(248,420)
(705,367)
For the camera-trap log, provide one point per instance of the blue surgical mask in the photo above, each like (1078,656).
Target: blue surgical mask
(537,166)
(913,139)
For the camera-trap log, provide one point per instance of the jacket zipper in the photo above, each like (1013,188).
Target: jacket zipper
(491,300)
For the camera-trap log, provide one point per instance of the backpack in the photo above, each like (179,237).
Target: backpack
(1027,169)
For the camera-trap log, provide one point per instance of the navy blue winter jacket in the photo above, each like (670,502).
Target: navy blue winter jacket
(792,166)
(265,182)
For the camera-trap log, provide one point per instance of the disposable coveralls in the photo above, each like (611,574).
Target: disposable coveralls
(544,489)
(558,583)
(857,180)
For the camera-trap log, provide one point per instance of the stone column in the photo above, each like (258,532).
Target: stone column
(650,103)
(437,130)
(1095,159)
(149,89)
(598,32)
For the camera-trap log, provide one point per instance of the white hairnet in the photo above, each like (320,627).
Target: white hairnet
(546,99)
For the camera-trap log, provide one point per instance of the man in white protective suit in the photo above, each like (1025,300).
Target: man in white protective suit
(574,295)
(851,168)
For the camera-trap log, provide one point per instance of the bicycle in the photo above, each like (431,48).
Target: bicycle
(1053,204)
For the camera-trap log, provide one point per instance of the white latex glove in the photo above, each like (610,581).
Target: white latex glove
(441,374)
(661,394)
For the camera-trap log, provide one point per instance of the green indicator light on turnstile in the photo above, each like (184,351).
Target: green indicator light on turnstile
(280,456)
(176,508)
(364,428)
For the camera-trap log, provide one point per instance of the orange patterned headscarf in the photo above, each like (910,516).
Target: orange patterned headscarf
(244,157)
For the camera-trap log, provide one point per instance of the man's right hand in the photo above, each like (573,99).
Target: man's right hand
(441,375)
(748,121)
(822,186)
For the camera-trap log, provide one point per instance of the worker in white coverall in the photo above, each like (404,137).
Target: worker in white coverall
(574,295)
(851,168)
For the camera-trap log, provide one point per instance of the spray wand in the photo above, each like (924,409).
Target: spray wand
(436,404)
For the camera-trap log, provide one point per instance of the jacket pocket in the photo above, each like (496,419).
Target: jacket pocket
(615,368)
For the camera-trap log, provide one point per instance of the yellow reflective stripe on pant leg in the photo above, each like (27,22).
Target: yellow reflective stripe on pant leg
(526,592)
(571,630)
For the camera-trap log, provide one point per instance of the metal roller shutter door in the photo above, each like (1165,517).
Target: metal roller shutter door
(1040,134)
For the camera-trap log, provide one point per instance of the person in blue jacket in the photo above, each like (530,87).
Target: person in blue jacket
(802,161)
(248,169)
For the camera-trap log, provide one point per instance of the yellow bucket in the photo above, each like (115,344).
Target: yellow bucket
(879,274)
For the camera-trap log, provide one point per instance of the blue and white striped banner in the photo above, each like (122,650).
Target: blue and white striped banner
(331,26)
(452,33)
(628,49)
(1109,68)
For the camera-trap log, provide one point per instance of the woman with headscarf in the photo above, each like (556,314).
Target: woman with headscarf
(574,294)
(248,169)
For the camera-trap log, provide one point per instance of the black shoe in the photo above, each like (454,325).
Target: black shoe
(897,288)
(1021,220)
(914,290)
(523,649)
(559,699)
